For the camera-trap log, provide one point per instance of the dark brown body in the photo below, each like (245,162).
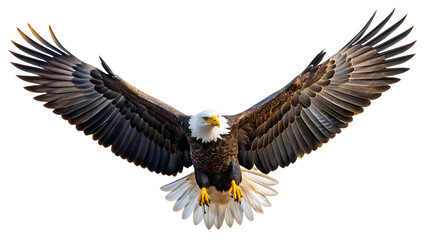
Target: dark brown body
(216,162)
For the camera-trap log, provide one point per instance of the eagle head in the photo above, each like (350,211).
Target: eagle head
(208,126)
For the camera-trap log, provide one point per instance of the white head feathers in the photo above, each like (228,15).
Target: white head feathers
(207,132)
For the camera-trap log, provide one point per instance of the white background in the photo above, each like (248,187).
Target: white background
(56,183)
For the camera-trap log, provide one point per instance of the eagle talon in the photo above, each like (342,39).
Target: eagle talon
(235,192)
(204,198)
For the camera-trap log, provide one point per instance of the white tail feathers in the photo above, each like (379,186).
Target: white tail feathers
(255,186)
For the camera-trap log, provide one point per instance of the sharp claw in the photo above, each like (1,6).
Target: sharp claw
(235,192)
(204,198)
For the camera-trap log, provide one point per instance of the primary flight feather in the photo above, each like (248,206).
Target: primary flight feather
(223,150)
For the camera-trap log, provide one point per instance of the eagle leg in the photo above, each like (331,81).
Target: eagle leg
(235,192)
(204,198)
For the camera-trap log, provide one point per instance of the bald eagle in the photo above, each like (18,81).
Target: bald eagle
(230,155)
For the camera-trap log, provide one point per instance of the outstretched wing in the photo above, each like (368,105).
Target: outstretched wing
(139,128)
(314,107)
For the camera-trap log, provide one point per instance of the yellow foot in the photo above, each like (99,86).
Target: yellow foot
(204,198)
(235,192)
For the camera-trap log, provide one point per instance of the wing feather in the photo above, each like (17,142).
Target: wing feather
(317,104)
(138,127)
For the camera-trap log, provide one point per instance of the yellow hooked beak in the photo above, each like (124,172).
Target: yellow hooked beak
(213,120)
